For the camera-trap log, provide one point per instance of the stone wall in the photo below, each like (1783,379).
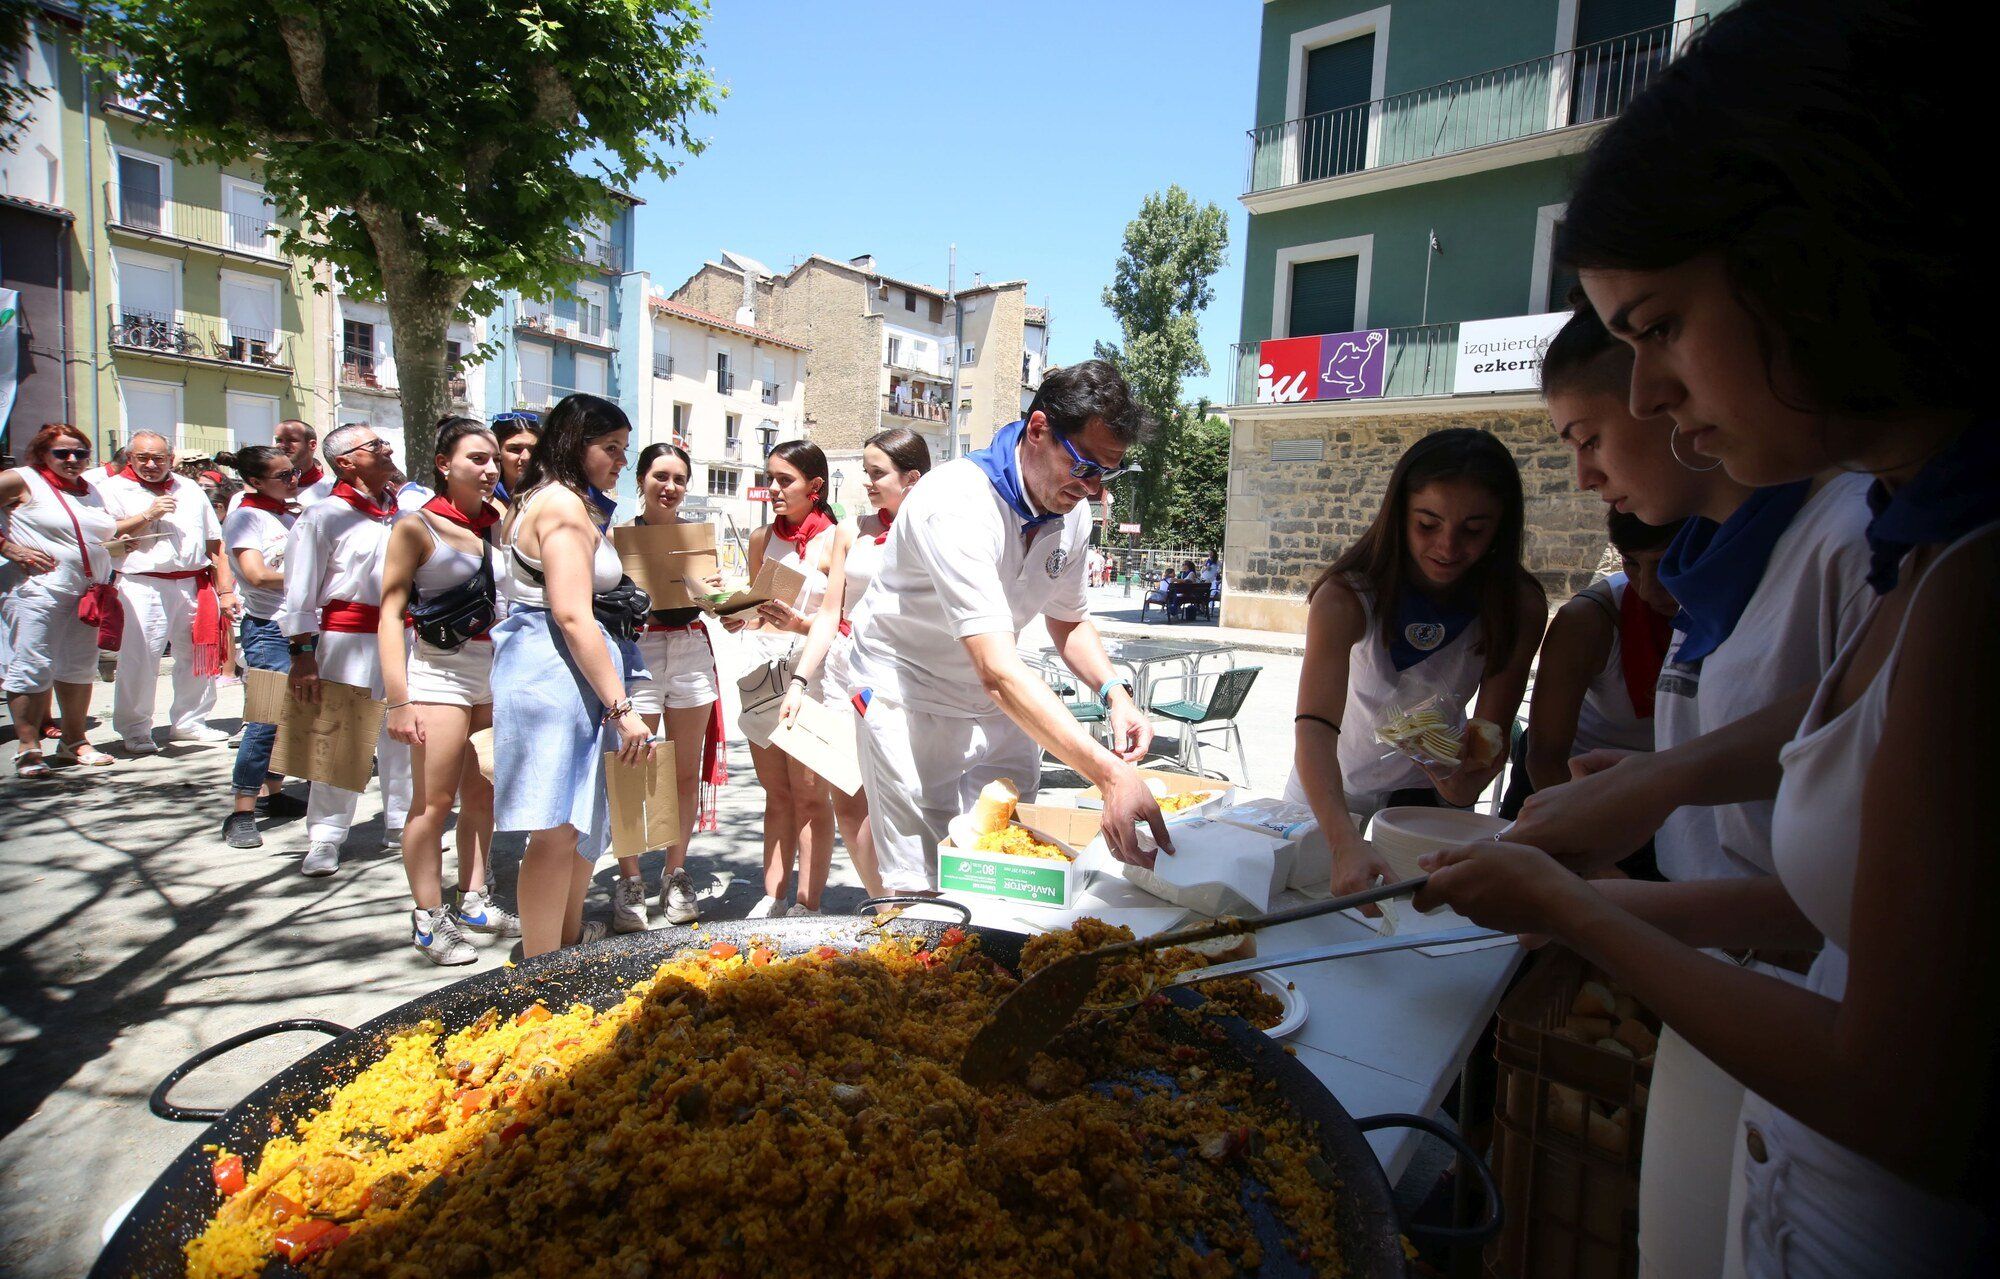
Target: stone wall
(1289,519)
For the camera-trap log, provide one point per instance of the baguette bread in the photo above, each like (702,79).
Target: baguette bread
(994,808)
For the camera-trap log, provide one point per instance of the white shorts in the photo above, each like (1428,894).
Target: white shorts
(680,673)
(47,645)
(922,770)
(452,677)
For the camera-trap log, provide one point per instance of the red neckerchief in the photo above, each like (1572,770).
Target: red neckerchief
(817,521)
(163,487)
(75,488)
(1643,636)
(258,502)
(442,507)
(887,518)
(361,502)
(309,478)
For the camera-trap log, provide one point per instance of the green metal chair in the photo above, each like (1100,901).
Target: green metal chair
(1216,715)
(1086,710)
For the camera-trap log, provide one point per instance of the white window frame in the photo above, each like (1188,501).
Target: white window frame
(589,294)
(1546,218)
(542,351)
(596,361)
(895,348)
(231,396)
(1564,78)
(166,164)
(268,284)
(267,247)
(151,384)
(1357,246)
(172,266)
(971,353)
(1371,22)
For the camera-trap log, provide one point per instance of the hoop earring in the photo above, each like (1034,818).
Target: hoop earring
(1673,447)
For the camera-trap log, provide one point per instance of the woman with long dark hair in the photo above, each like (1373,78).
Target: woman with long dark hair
(891,464)
(518,434)
(559,672)
(254,535)
(439,563)
(1432,594)
(798,816)
(679,689)
(1773,230)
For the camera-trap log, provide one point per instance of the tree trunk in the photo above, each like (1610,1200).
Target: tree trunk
(422,303)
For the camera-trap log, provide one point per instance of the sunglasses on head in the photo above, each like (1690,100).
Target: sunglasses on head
(70,455)
(1085,469)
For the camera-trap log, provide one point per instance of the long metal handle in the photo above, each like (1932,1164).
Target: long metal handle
(1229,926)
(166,1109)
(1339,950)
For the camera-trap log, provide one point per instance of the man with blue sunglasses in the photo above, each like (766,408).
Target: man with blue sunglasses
(981,547)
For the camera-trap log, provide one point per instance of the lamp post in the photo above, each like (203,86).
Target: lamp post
(838,476)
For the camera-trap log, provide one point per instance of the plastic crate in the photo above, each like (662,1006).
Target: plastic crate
(1568,1169)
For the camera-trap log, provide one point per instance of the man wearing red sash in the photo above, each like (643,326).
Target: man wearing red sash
(177,590)
(333,598)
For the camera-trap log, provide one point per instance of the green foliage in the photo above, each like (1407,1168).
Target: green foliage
(1192,509)
(1172,249)
(431,150)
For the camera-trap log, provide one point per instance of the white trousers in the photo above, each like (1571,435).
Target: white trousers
(1684,1180)
(354,659)
(922,770)
(158,613)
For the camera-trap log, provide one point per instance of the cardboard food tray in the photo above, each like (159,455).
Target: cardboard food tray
(1177,784)
(1033,881)
(774,581)
(662,559)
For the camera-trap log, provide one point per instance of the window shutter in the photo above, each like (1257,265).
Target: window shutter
(1608,19)
(1323,296)
(1333,137)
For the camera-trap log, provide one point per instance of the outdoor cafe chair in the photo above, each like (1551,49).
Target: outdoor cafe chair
(1216,715)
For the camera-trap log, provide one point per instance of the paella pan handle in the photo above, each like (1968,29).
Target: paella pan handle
(209,1114)
(1486,1228)
(913,899)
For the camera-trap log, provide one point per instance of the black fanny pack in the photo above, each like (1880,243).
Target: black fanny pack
(452,618)
(623,609)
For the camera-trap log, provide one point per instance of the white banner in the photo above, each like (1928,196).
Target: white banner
(1504,355)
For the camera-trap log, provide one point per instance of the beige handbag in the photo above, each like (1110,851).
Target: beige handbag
(763,691)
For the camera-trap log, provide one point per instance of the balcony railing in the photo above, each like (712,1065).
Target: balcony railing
(360,373)
(147,213)
(547,322)
(602,253)
(769,393)
(185,335)
(733,450)
(1542,95)
(1423,361)
(529,394)
(663,366)
(725,383)
(912,407)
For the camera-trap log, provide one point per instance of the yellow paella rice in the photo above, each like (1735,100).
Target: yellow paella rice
(751,1115)
(1015,841)
(1138,976)
(1189,799)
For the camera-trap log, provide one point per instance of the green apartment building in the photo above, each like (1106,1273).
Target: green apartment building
(181,314)
(1404,173)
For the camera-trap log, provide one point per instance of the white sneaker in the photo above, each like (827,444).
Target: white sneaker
(628,906)
(393,839)
(766,907)
(435,935)
(201,734)
(141,746)
(799,910)
(476,914)
(594,930)
(324,859)
(677,899)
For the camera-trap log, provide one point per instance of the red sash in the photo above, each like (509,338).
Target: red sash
(1643,636)
(345,617)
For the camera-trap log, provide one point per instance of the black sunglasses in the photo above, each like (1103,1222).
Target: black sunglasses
(70,455)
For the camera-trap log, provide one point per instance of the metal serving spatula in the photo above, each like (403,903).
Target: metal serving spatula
(1035,1012)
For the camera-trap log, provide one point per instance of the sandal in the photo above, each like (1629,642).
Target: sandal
(30,764)
(83,754)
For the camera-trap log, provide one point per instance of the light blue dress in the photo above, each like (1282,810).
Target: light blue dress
(548,740)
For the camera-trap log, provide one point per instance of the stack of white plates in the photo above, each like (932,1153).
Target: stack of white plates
(1402,835)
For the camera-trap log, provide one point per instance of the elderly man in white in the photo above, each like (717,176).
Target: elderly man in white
(333,600)
(178,593)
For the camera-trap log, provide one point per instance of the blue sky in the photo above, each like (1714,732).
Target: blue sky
(1026,132)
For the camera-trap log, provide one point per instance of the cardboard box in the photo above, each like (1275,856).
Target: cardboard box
(1177,784)
(663,558)
(774,581)
(1033,881)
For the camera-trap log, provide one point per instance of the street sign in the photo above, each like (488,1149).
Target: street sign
(696,504)
(758,494)
(1128,528)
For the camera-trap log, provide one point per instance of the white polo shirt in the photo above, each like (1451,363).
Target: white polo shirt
(957,565)
(253,528)
(185,532)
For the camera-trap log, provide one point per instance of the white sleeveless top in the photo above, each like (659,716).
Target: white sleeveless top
(523,591)
(1607,719)
(1826,1200)
(864,561)
(39,522)
(1368,769)
(445,567)
(775,644)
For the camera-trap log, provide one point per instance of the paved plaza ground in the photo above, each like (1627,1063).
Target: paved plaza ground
(133,936)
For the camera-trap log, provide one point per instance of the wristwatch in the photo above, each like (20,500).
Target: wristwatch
(1104,694)
(302,644)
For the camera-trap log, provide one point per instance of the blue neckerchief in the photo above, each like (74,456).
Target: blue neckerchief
(1713,569)
(1002,465)
(1423,627)
(606,504)
(500,491)
(1956,492)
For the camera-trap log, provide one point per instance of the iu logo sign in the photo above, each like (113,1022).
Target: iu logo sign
(1288,371)
(1331,366)
(1424,636)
